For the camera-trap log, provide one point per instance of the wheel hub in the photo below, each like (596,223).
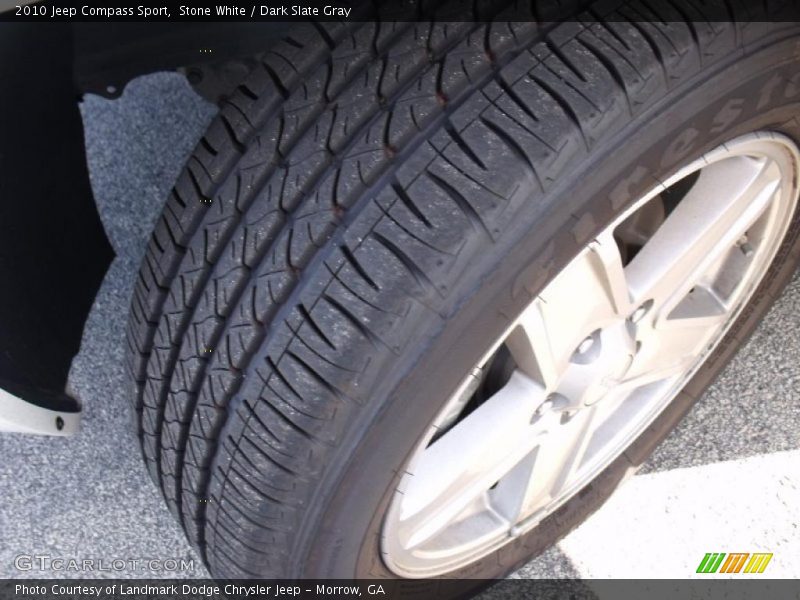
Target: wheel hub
(598,364)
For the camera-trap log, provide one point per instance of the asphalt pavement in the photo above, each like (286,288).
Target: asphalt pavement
(726,480)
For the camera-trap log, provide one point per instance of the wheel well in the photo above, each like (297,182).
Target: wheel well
(53,249)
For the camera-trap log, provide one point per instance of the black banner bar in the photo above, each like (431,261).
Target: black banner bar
(255,11)
(511,589)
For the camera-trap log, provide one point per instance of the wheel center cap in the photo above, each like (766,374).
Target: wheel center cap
(595,371)
(601,387)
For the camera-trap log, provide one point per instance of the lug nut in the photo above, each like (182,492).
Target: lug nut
(541,409)
(744,245)
(585,345)
(641,311)
(553,403)
(589,349)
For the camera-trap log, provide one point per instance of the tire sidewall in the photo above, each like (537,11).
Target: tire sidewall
(756,92)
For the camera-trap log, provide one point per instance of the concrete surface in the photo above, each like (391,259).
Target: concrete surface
(692,511)
(89,496)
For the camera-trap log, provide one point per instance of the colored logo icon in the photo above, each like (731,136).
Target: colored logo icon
(736,562)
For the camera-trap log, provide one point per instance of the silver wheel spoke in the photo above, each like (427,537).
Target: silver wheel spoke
(607,263)
(531,343)
(545,472)
(547,332)
(596,273)
(461,465)
(651,373)
(669,349)
(699,229)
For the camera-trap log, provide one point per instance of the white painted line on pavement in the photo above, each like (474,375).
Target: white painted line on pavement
(660,525)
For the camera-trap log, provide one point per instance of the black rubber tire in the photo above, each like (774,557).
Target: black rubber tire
(370,205)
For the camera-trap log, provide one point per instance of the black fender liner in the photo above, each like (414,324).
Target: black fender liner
(53,248)
(54,251)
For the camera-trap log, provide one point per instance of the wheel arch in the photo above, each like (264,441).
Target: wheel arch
(54,251)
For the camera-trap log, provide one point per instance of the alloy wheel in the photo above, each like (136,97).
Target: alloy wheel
(594,358)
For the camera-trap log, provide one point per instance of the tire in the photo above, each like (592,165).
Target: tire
(368,208)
